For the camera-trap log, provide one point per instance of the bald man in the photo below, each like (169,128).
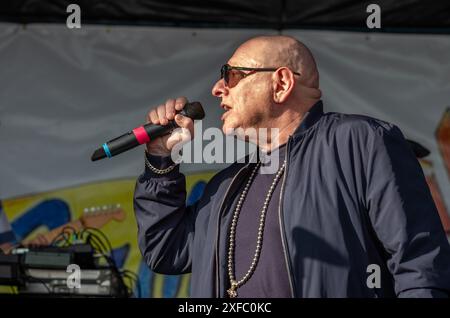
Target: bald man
(346,214)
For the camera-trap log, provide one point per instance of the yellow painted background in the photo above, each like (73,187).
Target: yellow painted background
(119,233)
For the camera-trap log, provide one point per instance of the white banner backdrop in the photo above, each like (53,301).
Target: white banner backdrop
(64,92)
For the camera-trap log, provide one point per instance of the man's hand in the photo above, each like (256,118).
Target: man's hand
(161,115)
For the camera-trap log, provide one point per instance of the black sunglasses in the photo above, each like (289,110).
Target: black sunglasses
(232,79)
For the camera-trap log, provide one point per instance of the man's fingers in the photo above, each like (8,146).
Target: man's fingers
(161,115)
(184,122)
(170,109)
(180,102)
(153,116)
(179,137)
(161,110)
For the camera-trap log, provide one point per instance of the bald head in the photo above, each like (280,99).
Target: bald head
(278,50)
(277,98)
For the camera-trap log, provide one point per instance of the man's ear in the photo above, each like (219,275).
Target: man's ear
(283,82)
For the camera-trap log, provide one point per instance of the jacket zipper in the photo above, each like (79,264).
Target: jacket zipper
(281,221)
(218,228)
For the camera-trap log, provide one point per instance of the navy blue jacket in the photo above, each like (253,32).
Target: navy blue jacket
(353,194)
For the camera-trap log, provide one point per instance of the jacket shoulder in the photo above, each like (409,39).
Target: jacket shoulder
(357,124)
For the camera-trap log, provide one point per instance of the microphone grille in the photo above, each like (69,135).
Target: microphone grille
(193,110)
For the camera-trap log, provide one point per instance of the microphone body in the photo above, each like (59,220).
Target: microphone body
(145,133)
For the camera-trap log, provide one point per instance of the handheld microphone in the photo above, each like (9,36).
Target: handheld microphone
(145,133)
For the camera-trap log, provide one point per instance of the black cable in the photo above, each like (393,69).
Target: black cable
(93,240)
(136,279)
(134,283)
(97,231)
(130,287)
(95,236)
(63,233)
(60,238)
(31,278)
(101,244)
(96,241)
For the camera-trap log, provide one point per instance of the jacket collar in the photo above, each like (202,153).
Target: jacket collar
(311,117)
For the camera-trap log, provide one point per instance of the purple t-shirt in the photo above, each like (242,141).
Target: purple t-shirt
(270,279)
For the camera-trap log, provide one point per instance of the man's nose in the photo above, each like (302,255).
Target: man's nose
(219,88)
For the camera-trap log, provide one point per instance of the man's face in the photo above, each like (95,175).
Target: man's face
(247,103)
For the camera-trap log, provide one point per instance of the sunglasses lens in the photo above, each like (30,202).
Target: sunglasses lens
(230,76)
(224,73)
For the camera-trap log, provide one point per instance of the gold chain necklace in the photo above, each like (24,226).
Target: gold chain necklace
(235,284)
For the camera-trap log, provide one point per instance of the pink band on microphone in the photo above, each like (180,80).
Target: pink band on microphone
(141,135)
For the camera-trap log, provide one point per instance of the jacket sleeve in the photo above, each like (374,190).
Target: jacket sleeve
(165,223)
(404,216)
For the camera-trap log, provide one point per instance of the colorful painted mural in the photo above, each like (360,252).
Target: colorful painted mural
(34,215)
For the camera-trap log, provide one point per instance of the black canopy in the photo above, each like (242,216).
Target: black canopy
(397,15)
